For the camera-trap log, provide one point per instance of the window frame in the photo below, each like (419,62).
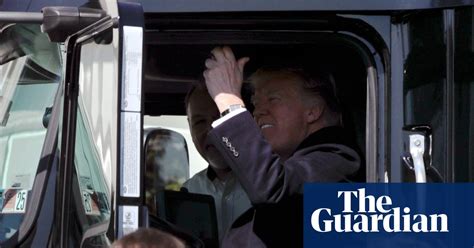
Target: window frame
(361,31)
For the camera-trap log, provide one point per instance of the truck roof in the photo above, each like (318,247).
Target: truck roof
(173,6)
(196,6)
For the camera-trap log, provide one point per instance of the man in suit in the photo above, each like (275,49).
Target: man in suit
(217,180)
(295,136)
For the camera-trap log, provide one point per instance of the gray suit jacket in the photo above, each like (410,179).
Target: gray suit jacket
(275,187)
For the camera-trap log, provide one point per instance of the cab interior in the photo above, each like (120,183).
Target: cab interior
(174,61)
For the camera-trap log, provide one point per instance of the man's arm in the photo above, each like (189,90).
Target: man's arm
(263,175)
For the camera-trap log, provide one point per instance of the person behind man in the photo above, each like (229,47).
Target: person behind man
(295,136)
(149,238)
(217,180)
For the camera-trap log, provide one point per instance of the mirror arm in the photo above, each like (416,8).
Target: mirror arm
(20,17)
(57,22)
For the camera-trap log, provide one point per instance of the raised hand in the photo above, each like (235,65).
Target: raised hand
(224,77)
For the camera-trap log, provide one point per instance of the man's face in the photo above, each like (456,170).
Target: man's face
(202,111)
(281,114)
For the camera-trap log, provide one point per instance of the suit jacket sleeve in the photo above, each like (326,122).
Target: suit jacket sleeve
(263,175)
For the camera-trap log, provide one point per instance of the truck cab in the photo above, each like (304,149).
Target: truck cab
(94,139)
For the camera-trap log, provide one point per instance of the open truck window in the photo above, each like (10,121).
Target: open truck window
(175,61)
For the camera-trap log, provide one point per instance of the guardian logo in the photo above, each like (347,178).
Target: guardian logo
(389,215)
(373,214)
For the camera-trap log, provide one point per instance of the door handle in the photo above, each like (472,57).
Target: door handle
(417,149)
(417,156)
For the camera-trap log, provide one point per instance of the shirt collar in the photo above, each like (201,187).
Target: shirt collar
(211,174)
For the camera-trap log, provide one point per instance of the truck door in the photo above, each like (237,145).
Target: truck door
(436,95)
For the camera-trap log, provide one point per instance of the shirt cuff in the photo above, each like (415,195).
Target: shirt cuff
(227,116)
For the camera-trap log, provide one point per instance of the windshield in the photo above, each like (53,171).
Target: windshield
(30,72)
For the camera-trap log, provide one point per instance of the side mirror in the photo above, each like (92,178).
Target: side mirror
(166,160)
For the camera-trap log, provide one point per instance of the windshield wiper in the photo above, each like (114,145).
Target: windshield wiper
(6,115)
